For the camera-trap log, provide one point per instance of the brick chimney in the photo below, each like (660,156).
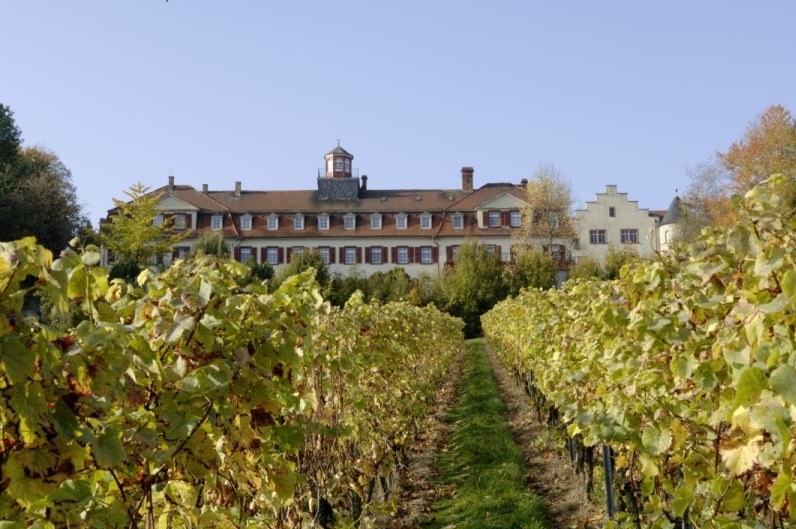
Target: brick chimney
(364,186)
(237,189)
(171,184)
(467,179)
(524,183)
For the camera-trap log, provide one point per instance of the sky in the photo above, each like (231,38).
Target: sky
(632,93)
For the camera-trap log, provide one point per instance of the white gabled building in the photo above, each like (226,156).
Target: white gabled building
(613,220)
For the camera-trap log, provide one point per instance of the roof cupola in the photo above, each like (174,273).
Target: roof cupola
(338,162)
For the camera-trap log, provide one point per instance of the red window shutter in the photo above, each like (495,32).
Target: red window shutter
(288,254)
(342,254)
(280,255)
(332,256)
(394,256)
(359,255)
(505,218)
(368,251)
(434,254)
(174,253)
(449,254)
(237,253)
(499,254)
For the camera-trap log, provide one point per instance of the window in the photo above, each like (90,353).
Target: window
(425,221)
(375,255)
(245,253)
(597,237)
(612,211)
(183,252)
(490,249)
(324,251)
(273,222)
(349,221)
(403,255)
(329,165)
(515,219)
(272,255)
(338,165)
(375,221)
(179,221)
(297,250)
(629,236)
(400,221)
(298,221)
(323,221)
(157,220)
(215,222)
(348,166)
(246,222)
(457,221)
(350,255)
(425,255)
(455,250)
(494,219)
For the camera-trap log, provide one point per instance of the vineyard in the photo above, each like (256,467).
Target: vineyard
(681,371)
(196,398)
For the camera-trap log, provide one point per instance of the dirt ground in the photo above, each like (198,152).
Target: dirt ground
(549,473)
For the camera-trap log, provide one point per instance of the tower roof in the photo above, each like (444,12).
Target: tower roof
(339,150)
(673,213)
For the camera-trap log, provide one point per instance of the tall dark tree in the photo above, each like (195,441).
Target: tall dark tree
(10,138)
(43,200)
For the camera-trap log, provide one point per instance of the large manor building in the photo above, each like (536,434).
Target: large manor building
(421,230)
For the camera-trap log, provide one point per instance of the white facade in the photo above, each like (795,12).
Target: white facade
(613,220)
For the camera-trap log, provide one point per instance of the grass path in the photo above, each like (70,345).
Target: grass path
(482,467)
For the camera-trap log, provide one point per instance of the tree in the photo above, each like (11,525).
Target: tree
(132,233)
(42,200)
(767,147)
(586,267)
(615,259)
(532,268)
(300,262)
(10,139)
(393,285)
(474,285)
(546,213)
(212,244)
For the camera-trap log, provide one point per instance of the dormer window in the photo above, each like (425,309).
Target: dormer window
(246,222)
(494,219)
(298,221)
(375,221)
(216,221)
(272,222)
(457,221)
(400,221)
(349,221)
(425,221)
(323,221)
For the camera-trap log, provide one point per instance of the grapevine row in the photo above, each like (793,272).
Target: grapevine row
(684,367)
(198,398)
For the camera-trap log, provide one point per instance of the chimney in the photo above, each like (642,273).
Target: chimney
(237,189)
(171,184)
(364,186)
(204,188)
(524,183)
(467,179)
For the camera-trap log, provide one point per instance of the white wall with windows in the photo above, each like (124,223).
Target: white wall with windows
(613,220)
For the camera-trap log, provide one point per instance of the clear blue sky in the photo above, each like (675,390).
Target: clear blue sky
(630,93)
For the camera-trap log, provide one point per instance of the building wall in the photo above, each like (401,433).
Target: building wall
(605,218)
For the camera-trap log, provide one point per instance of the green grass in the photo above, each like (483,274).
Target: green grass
(483,465)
